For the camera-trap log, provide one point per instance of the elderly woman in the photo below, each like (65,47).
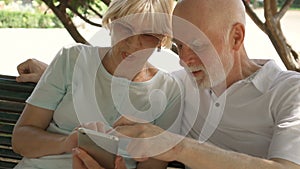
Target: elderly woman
(121,81)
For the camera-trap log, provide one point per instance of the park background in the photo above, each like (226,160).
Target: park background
(19,44)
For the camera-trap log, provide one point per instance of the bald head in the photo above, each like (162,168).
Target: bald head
(211,13)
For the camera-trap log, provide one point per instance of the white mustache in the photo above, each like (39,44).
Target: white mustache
(195,68)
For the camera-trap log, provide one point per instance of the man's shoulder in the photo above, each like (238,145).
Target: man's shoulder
(288,78)
(271,77)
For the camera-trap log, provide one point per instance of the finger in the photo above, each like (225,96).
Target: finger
(76,128)
(120,163)
(90,125)
(123,121)
(141,159)
(23,67)
(132,131)
(74,139)
(88,161)
(100,127)
(97,126)
(27,78)
(76,161)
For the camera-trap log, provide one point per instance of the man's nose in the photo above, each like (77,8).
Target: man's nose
(187,56)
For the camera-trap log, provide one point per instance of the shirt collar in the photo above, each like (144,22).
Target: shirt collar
(264,77)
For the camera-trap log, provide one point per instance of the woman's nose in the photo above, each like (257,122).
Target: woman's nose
(134,42)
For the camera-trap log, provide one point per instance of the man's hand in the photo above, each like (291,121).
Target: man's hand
(156,142)
(31,70)
(82,160)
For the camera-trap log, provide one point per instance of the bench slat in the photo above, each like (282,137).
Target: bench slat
(11,106)
(6,128)
(6,164)
(9,83)
(13,95)
(10,117)
(8,153)
(5,140)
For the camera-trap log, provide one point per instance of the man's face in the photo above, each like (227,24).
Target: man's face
(202,51)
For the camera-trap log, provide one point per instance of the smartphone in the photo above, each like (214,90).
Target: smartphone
(102,147)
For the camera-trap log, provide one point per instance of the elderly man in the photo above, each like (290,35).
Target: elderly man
(259,123)
(260,126)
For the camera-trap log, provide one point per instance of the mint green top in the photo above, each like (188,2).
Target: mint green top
(77,77)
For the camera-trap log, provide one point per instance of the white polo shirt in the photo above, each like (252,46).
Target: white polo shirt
(258,116)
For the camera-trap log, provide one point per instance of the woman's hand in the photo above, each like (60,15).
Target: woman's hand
(82,160)
(148,140)
(31,70)
(70,142)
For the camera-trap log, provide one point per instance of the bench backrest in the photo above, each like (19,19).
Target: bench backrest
(12,102)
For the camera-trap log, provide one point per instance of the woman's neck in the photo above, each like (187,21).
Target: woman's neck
(147,73)
(109,63)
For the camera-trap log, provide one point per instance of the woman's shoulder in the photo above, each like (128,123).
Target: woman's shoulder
(170,76)
(77,47)
(169,80)
(71,52)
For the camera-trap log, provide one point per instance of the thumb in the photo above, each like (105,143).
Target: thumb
(27,78)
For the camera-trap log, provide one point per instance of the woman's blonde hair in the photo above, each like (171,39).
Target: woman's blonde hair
(158,12)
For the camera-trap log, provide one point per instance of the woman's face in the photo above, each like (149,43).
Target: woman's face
(134,42)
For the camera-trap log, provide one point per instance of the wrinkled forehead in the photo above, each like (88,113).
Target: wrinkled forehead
(187,32)
(158,23)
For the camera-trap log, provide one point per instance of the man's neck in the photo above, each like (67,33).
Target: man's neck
(243,67)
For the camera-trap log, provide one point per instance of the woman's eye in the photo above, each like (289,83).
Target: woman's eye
(147,35)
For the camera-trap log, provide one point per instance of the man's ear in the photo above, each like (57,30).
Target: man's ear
(237,36)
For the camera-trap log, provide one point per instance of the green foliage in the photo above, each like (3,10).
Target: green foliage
(10,19)
(7,1)
(84,6)
(39,2)
(296,4)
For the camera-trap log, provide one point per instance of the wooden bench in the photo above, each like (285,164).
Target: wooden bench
(12,102)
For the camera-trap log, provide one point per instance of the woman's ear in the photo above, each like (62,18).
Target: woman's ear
(237,36)
(160,44)
(166,42)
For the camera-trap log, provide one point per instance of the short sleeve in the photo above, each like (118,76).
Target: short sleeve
(53,84)
(285,142)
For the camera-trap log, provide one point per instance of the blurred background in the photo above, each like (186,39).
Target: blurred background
(30,29)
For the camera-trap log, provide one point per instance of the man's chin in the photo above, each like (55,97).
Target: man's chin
(202,84)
